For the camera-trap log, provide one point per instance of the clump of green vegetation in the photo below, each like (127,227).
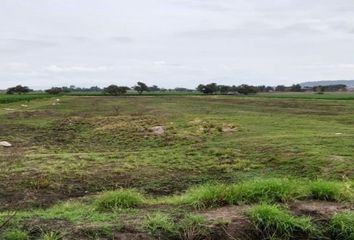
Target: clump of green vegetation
(271,190)
(50,236)
(15,234)
(160,224)
(204,196)
(342,226)
(193,227)
(120,199)
(329,191)
(266,190)
(273,221)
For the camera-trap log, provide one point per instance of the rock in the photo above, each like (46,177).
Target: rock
(5,144)
(58,100)
(339,133)
(24,105)
(158,130)
(9,109)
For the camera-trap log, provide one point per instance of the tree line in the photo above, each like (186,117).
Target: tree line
(211,88)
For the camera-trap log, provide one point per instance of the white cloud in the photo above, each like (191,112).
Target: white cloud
(83,69)
(174,42)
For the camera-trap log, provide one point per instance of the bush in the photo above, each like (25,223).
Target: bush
(342,226)
(273,221)
(16,234)
(119,199)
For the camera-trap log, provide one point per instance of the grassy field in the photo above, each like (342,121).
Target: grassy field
(274,166)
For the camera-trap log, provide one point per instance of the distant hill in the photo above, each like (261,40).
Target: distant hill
(349,83)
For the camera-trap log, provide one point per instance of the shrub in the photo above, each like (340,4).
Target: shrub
(119,200)
(16,234)
(342,226)
(273,221)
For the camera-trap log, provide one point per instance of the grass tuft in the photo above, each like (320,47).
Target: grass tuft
(273,221)
(15,234)
(120,199)
(342,226)
(50,236)
(193,227)
(160,224)
(266,190)
(329,191)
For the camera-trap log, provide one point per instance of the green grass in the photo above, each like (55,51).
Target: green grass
(330,191)
(193,227)
(273,221)
(15,234)
(342,226)
(273,190)
(5,98)
(86,145)
(120,199)
(160,224)
(50,236)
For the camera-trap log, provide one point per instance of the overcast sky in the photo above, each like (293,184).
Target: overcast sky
(172,43)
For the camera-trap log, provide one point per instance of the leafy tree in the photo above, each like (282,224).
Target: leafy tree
(296,88)
(154,88)
(210,88)
(280,88)
(141,87)
(19,89)
(246,89)
(54,90)
(224,89)
(115,90)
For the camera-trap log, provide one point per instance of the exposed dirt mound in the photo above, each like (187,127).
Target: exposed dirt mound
(317,208)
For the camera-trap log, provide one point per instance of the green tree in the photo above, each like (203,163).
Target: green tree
(54,90)
(19,89)
(141,87)
(115,90)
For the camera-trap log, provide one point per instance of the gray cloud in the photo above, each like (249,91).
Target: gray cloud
(174,42)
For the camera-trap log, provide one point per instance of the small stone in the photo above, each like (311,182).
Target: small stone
(5,144)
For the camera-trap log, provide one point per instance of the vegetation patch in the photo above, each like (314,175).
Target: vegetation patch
(274,222)
(342,226)
(119,199)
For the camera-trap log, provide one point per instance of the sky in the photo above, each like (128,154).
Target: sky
(174,43)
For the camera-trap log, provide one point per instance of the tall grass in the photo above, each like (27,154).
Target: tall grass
(272,221)
(342,226)
(273,190)
(119,199)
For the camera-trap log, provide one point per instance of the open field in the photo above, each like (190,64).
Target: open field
(273,166)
